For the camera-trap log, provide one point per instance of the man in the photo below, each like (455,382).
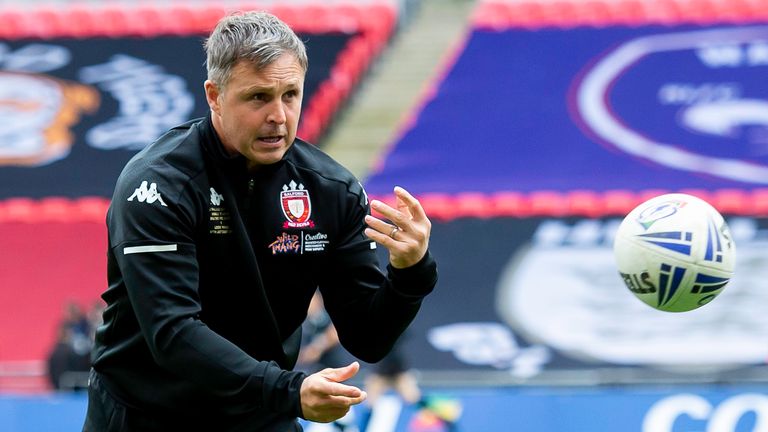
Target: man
(219,233)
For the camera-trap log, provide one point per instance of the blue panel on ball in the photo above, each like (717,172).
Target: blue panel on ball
(669,283)
(677,235)
(675,247)
(707,283)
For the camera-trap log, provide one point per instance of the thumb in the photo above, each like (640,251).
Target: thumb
(343,373)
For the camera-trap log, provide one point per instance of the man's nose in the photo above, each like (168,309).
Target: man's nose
(276,112)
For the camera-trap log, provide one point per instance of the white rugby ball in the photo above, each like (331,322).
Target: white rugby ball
(675,252)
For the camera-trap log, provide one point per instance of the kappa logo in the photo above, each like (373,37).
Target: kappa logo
(216,198)
(296,206)
(147,194)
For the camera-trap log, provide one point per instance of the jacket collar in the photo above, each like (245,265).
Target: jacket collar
(213,145)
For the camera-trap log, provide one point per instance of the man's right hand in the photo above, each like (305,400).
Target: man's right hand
(323,396)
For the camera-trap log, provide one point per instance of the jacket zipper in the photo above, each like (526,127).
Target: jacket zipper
(249,195)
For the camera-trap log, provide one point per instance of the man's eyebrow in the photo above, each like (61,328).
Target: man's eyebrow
(269,89)
(257,89)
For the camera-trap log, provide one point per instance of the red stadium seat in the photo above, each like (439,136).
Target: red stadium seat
(111,21)
(759,202)
(13,25)
(80,21)
(619,202)
(437,206)
(44,23)
(90,209)
(585,203)
(510,204)
(548,203)
(148,21)
(731,201)
(54,209)
(477,205)
(17,209)
(209,15)
(287,13)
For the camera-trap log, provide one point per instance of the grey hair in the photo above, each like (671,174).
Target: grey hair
(258,37)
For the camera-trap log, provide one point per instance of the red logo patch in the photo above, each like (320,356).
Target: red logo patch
(296,206)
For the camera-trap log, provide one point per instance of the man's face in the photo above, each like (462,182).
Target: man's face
(257,112)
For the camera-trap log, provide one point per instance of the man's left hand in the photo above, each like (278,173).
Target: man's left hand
(406,235)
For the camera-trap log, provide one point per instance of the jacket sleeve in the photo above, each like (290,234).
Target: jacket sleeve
(371,308)
(154,248)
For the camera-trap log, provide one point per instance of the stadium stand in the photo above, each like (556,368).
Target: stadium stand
(518,158)
(467,180)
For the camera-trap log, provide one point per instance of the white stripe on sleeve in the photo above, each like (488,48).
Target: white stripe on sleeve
(151,248)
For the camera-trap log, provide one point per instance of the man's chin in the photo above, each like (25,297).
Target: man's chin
(256,161)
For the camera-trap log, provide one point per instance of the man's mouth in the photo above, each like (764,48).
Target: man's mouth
(271,139)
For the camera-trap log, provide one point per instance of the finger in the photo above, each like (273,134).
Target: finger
(397,217)
(379,225)
(385,240)
(343,373)
(341,390)
(401,204)
(347,401)
(378,237)
(384,209)
(414,206)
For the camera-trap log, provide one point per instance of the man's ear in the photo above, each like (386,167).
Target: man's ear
(212,93)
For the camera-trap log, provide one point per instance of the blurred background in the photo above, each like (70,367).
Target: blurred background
(527,128)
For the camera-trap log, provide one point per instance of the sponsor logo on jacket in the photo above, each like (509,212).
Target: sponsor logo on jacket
(299,243)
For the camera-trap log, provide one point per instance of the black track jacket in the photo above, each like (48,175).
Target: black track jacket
(211,269)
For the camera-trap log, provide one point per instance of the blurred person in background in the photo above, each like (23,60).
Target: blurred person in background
(70,354)
(79,328)
(219,234)
(62,358)
(394,374)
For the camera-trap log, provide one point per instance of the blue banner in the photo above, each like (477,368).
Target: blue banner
(737,408)
(592,109)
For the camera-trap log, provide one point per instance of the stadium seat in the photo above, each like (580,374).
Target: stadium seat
(731,201)
(619,202)
(509,204)
(548,203)
(585,203)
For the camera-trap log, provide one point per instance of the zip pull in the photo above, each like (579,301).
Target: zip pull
(251,185)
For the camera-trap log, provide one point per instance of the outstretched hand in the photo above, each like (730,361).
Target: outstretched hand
(323,396)
(406,236)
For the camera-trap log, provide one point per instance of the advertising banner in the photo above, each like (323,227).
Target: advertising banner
(740,408)
(75,110)
(646,107)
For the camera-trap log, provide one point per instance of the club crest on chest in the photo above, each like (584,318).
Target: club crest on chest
(296,205)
